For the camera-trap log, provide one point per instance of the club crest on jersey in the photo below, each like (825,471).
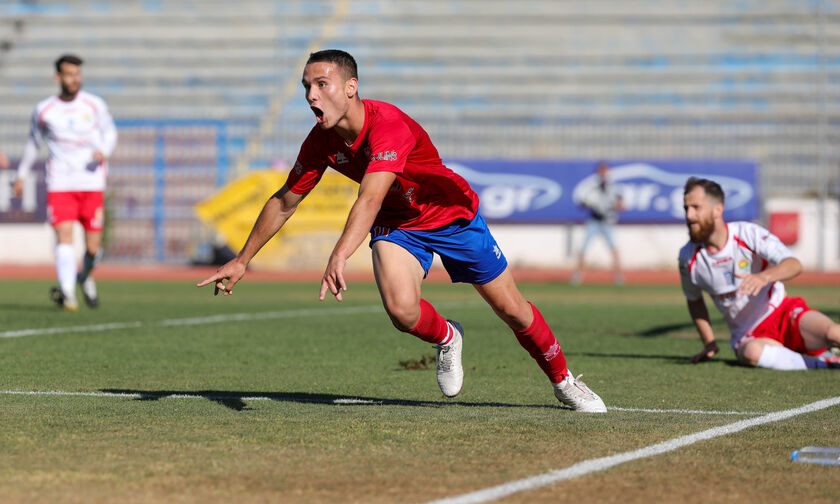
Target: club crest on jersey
(743,264)
(409,195)
(390,155)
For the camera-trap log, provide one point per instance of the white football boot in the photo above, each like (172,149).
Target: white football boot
(574,393)
(89,291)
(450,372)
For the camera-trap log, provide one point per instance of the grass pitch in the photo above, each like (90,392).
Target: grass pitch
(270,396)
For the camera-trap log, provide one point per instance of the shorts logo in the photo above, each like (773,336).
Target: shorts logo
(795,314)
(385,156)
(553,352)
(380,231)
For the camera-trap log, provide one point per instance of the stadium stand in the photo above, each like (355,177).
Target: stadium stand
(487,78)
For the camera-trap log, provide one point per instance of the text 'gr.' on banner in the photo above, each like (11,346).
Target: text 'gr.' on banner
(651,191)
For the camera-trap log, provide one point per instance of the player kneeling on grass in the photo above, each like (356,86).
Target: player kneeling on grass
(413,206)
(742,265)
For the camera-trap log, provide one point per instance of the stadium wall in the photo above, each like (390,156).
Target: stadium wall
(552,246)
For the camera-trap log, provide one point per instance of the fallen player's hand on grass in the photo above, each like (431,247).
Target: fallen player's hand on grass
(708,352)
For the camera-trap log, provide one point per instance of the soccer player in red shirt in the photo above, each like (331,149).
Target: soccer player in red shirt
(414,207)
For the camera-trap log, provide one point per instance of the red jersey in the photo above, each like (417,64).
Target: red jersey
(425,195)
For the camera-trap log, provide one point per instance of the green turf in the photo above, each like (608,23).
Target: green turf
(412,445)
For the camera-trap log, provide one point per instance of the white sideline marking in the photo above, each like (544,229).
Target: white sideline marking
(600,464)
(212,319)
(688,411)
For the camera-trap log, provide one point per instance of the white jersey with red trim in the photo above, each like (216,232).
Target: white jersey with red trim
(749,249)
(73,131)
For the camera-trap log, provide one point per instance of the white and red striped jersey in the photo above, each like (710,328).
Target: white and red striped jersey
(73,131)
(749,249)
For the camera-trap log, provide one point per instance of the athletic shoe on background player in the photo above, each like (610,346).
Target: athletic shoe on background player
(574,393)
(833,361)
(89,291)
(68,302)
(450,372)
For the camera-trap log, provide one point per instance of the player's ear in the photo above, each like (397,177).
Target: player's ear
(718,210)
(351,87)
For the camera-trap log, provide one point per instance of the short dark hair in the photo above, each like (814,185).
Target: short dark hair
(67,58)
(711,188)
(340,58)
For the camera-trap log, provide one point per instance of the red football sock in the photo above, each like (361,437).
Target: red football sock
(431,327)
(543,347)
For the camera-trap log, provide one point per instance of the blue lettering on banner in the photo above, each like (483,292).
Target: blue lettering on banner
(651,191)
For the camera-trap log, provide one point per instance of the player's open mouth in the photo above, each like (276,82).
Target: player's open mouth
(319,114)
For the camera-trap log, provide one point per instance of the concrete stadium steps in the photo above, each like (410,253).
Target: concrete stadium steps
(485,77)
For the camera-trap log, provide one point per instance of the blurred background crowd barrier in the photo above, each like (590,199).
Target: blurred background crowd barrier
(207,92)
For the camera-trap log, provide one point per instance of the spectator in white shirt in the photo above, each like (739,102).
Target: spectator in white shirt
(603,203)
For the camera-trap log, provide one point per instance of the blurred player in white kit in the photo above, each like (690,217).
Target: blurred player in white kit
(80,136)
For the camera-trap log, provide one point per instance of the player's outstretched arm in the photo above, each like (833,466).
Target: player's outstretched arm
(274,215)
(700,316)
(372,191)
(785,270)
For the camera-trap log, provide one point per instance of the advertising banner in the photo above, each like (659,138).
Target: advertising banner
(308,237)
(31,207)
(651,191)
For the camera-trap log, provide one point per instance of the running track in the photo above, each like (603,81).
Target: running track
(149,272)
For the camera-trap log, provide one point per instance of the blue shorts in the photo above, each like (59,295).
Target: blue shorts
(596,227)
(467,249)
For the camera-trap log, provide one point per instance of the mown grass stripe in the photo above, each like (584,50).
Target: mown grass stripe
(213,319)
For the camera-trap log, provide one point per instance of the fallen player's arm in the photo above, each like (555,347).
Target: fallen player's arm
(753,283)
(700,316)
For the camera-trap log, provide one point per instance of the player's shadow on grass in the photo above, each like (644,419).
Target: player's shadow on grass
(678,359)
(237,400)
(665,329)
(20,307)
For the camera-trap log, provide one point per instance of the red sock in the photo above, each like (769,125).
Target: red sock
(431,327)
(543,347)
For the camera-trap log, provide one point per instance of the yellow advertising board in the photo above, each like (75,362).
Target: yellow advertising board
(307,239)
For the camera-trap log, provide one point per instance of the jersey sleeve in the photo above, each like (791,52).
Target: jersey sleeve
(37,129)
(766,244)
(390,144)
(309,166)
(691,291)
(33,143)
(108,130)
